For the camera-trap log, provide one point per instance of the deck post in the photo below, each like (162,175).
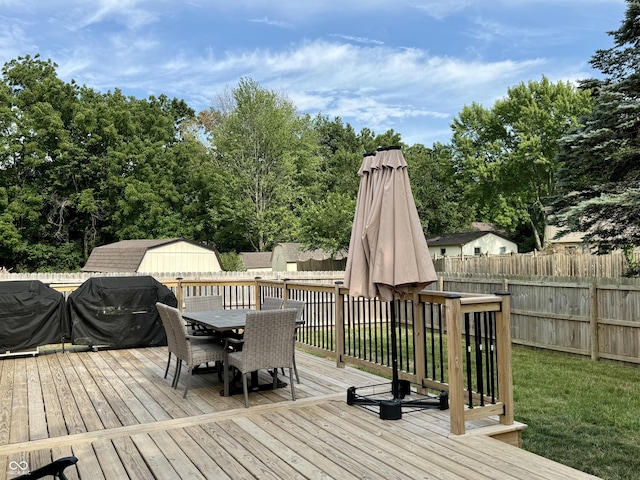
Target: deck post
(258,295)
(453,315)
(505,371)
(595,342)
(339,316)
(179,292)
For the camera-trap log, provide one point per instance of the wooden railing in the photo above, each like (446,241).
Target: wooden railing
(446,341)
(454,342)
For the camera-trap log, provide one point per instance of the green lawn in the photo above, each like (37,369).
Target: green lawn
(581,413)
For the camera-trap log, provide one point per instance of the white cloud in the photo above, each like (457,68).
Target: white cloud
(441,9)
(132,14)
(363,40)
(274,23)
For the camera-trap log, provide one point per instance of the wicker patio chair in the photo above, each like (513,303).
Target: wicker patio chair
(299,305)
(266,345)
(171,337)
(190,349)
(271,303)
(201,304)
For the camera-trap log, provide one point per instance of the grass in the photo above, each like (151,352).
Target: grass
(581,413)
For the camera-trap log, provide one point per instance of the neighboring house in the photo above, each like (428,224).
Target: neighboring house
(289,257)
(153,256)
(571,241)
(470,243)
(257,262)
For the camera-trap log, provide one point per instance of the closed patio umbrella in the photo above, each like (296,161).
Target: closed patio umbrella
(388,253)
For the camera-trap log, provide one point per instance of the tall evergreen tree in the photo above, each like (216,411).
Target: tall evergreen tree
(600,177)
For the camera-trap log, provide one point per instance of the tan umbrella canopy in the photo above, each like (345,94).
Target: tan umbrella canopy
(388,253)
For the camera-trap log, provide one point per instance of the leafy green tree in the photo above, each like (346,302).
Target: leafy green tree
(263,148)
(600,178)
(329,199)
(35,108)
(232,262)
(327,214)
(79,168)
(506,156)
(434,188)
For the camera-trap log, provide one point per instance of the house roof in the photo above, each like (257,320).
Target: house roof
(126,255)
(256,259)
(459,238)
(293,253)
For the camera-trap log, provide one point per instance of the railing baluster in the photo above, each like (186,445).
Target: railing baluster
(468,358)
(478,346)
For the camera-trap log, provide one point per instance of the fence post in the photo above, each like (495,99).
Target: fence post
(285,289)
(505,371)
(595,342)
(453,312)
(339,316)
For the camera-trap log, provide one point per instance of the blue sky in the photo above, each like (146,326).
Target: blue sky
(406,65)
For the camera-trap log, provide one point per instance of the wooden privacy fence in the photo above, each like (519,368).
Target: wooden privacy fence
(595,317)
(562,264)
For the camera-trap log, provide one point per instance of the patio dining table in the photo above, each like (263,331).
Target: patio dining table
(222,321)
(226,321)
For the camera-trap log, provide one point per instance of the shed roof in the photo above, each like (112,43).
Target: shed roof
(459,238)
(256,259)
(293,253)
(126,255)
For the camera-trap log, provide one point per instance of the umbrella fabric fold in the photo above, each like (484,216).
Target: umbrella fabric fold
(388,253)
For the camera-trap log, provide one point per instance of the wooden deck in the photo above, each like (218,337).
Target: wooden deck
(114,411)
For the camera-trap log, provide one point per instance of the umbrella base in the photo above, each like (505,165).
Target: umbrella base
(380,400)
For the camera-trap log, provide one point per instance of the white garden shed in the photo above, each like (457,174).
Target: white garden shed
(154,256)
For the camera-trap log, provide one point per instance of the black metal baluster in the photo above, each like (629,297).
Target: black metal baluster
(492,324)
(477,326)
(468,357)
(487,351)
(441,343)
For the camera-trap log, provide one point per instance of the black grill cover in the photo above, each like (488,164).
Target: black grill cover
(31,314)
(118,312)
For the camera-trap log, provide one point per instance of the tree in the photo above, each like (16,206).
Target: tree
(79,168)
(263,147)
(35,108)
(434,188)
(329,200)
(506,157)
(600,178)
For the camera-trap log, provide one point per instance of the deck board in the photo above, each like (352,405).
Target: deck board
(114,410)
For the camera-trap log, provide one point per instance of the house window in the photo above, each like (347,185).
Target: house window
(503,250)
(476,251)
(443,251)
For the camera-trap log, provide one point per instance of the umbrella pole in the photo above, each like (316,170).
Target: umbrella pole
(395,382)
